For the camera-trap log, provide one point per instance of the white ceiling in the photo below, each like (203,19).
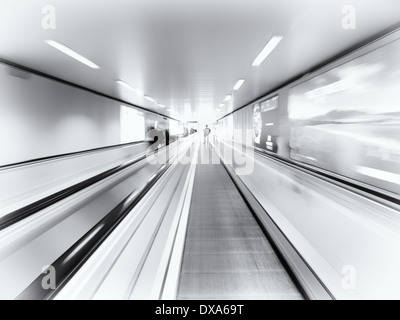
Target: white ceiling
(187,54)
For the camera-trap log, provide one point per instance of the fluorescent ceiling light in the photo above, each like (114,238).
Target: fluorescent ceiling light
(239,84)
(271,45)
(161,106)
(228,97)
(128,86)
(73,54)
(150,99)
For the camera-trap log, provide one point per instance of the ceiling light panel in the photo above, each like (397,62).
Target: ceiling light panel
(71,53)
(271,45)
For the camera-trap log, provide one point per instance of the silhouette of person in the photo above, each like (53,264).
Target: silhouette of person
(207,132)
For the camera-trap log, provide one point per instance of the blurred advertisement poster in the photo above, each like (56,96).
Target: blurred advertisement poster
(266,124)
(347,120)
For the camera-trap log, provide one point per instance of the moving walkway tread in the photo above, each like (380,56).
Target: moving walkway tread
(227,255)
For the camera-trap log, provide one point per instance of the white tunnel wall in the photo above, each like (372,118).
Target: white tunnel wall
(40,117)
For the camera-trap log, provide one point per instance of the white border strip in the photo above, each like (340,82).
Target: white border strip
(379,174)
(174,269)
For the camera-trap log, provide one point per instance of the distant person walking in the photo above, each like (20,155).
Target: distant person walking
(207,132)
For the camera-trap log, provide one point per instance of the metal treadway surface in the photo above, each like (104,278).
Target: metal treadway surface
(226,254)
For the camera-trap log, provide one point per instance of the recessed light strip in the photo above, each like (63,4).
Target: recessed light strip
(150,99)
(128,86)
(239,84)
(73,54)
(271,45)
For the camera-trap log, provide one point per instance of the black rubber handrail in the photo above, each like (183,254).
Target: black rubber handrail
(73,259)
(41,204)
(67,155)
